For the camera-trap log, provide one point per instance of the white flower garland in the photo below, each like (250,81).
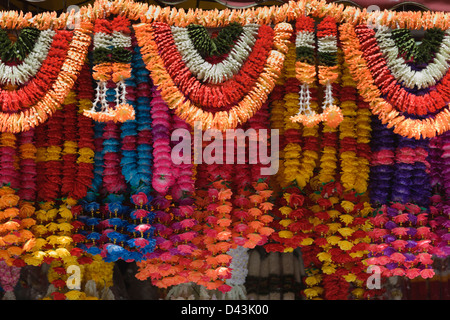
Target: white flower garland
(220,72)
(22,73)
(422,79)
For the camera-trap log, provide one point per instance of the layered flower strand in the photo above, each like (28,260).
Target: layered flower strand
(39,111)
(190,112)
(386,112)
(112,58)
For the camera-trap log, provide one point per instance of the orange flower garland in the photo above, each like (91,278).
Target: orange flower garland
(408,127)
(191,113)
(43,109)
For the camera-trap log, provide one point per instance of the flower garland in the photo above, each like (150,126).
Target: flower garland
(402,241)
(27,164)
(139,174)
(23,46)
(41,110)
(327,73)
(230,79)
(277,110)
(288,236)
(216,18)
(427,77)
(15,238)
(172,262)
(112,68)
(69,149)
(217,46)
(408,127)
(51,184)
(29,67)
(301,170)
(59,175)
(396,95)
(40,82)
(382,162)
(162,265)
(208,72)
(305,67)
(399,249)
(419,54)
(85,142)
(438,219)
(191,113)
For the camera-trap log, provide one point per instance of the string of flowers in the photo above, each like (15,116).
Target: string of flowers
(394,46)
(216,18)
(27,164)
(284,239)
(115,224)
(112,58)
(55,95)
(38,84)
(69,147)
(369,90)
(438,218)
(28,67)
(22,47)
(442,173)
(15,238)
(191,113)
(402,100)
(277,110)
(55,219)
(353,206)
(319,224)
(218,46)
(88,219)
(327,69)
(213,73)
(136,158)
(174,260)
(162,265)
(422,53)
(85,159)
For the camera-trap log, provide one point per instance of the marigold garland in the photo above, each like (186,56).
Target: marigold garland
(45,107)
(191,113)
(404,101)
(417,128)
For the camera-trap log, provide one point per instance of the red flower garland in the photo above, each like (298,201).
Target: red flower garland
(396,95)
(34,90)
(85,162)
(221,96)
